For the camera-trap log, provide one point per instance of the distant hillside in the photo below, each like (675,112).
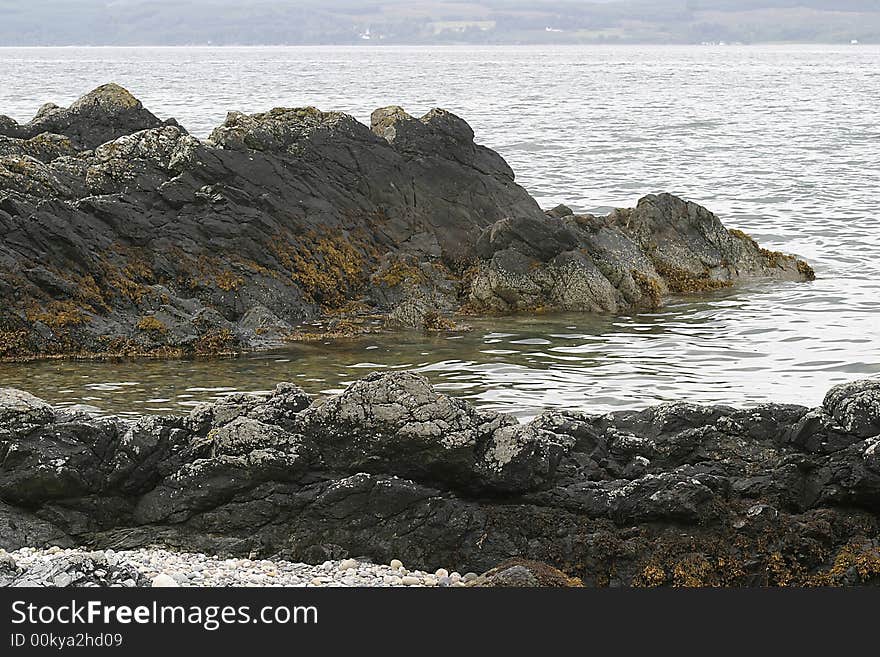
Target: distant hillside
(224,22)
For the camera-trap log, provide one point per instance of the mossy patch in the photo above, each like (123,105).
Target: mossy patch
(691,570)
(13,343)
(228,282)
(434,321)
(682,281)
(806,271)
(854,561)
(59,315)
(652,576)
(130,281)
(151,324)
(740,235)
(399,271)
(338,329)
(774,258)
(327,269)
(649,287)
(89,294)
(542,574)
(215,342)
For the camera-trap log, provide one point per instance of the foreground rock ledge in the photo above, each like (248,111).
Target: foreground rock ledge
(678,494)
(125,235)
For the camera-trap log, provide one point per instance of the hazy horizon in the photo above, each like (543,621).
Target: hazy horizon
(435,22)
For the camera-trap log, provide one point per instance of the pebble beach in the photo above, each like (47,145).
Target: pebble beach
(56,566)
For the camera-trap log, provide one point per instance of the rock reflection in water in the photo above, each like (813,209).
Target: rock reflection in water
(726,348)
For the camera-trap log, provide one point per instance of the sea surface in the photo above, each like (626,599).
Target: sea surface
(782,142)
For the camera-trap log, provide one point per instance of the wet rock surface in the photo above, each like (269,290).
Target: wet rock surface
(678,494)
(124,235)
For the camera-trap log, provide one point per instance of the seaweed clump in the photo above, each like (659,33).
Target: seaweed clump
(649,287)
(682,281)
(59,315)
(328,269)
(151,324)
(806,271)
(398,272)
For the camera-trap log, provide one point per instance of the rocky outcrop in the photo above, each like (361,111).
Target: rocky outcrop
(677,494)
(124,235)
(629,259)
(100,116)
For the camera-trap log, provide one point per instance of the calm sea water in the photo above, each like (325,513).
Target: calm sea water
(782,142)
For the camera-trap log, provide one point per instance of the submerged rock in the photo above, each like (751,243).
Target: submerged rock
(678,494)
(125,235)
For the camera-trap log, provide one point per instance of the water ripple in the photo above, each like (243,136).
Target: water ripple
(780,141)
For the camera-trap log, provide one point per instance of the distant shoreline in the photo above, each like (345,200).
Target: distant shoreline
(774,44)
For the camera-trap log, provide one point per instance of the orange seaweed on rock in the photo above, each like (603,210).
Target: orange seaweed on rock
(289,216)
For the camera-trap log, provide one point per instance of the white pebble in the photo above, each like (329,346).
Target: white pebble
(162,581)
(165,568)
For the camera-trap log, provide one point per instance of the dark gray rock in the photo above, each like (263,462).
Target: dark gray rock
(559,211)
(632,258)
(21,411)
(397,424)
(124,235)
(9,570)
(534,237)
(676,494)
(44,147)
(856,407)
(19,528)
(100,116)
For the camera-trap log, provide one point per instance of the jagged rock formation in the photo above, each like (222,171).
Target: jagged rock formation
(676,494)
(122,234)
(100,116)
(630,259)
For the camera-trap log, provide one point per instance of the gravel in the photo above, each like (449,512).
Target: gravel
(163,568)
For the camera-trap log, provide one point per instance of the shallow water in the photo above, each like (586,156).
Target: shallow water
(782,142)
